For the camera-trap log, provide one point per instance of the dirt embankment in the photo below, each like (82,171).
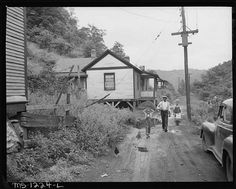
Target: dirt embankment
(173,156)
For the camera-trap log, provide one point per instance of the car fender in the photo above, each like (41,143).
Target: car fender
(228,147)
(208,129)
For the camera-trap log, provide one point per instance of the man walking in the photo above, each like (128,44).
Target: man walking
(164,106)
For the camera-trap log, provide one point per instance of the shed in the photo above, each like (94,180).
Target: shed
(63,66)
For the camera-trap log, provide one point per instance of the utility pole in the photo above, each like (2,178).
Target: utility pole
(184,35)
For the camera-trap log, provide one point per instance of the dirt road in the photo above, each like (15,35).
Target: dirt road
(172,156)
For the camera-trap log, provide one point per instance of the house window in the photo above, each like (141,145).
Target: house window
(109,81)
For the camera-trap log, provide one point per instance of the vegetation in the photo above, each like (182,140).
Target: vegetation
(216,82)
(97,129)
(118,49)
(55,29)
(53,32)
(215,86)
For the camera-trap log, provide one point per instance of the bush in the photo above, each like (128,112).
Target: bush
(201,113)
(98,127)
(101,126)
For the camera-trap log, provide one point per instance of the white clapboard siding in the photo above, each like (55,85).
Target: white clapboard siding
(123,84)
(15,57)
(15,47)
(14,53)
(15,60)
(14,33)
(108,61)
(10,64)
(15,14)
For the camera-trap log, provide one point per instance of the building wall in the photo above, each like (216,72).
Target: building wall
(15,54)
(123,84)
(108,61)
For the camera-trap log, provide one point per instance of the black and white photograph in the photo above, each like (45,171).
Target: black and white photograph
(118,94)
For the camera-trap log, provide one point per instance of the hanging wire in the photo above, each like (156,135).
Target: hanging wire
(148,17)
(148,48)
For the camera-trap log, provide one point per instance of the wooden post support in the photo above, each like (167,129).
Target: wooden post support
(59,97)
(134,105)
(130,105)
(78,74)
(117,103)
(23,122)
(67,102)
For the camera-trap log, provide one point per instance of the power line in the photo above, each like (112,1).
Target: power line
(149,17)
(152,42)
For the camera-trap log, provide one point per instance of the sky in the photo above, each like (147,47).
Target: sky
(136,28)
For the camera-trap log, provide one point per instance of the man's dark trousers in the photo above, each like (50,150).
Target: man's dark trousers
(164,118)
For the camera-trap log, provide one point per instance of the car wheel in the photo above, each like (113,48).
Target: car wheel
(204,145)
(228,168)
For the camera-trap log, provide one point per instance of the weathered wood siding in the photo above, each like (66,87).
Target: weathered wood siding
(123,84)
(108,61)
(15,52)
(137,85)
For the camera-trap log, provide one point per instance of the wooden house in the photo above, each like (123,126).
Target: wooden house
(125,83)
(16,83)
(63,66)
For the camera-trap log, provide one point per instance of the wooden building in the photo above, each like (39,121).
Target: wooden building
(124,82)
(63,66)
(16,83)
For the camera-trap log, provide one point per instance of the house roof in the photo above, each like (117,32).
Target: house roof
(152,74)
(114,55)
(63,65)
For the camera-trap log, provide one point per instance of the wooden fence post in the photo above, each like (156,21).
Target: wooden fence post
(59,97)
(67,102)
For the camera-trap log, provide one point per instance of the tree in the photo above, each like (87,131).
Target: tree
(55,29)
(216,82)
(118,49)
(93,40)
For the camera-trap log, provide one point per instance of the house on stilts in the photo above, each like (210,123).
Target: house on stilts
(126,84)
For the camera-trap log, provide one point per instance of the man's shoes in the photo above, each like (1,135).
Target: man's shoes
(166,130)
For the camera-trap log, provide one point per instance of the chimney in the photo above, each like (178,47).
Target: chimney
(127,58)
(142,68)
(93,53)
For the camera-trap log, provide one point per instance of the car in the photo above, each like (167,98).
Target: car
(217,137)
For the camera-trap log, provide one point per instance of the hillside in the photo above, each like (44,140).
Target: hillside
(216,82)
(174,76)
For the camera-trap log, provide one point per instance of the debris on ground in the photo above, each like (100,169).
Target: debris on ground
(104,175)
(138,135)
(116,151)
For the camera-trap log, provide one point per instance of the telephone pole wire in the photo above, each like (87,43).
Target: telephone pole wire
(184,35)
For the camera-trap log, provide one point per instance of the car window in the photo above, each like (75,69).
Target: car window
(227,114)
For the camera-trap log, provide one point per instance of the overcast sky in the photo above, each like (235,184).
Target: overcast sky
(137,27)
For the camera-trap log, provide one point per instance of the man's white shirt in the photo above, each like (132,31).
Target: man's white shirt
(164,105)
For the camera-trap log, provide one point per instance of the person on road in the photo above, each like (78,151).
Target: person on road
(148,117)
(164,107)
(177,109)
